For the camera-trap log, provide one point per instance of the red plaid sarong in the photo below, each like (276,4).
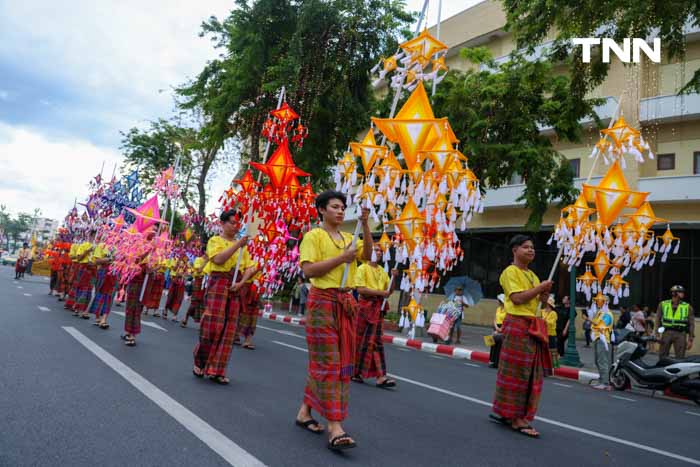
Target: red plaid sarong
(104,292)
(134,307)
(72,273)
(176,293)
(248,319)
(369,357)
(154,290)
(218,325)
(520,371)
(197,299)
(330,338)
(83,286)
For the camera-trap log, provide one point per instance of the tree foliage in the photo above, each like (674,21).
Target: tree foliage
(14,227)
(321,51)
(532,20)
(498,113)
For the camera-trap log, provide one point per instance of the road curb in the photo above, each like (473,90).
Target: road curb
(584,377)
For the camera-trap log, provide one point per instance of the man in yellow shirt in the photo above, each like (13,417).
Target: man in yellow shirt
(323,255)
(218,326)
(84,278)
(197,296)
(248,319)
(373,287)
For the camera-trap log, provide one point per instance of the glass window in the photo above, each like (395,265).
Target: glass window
(666,162)
(696,163)
(576,167)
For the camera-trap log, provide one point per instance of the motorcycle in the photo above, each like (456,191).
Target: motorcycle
(681,377)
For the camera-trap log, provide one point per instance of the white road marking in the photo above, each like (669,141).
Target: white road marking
(27,294)
(624,398)
(145,323)
(563,385)
(220,444)
(473,365)
(20,287)
(286,333)
(43,308)
(584,431)
(693,413)
(291,346)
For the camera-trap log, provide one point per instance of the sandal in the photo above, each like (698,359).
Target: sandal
(523,430)
(357,379)
(387,383)
(307,426)
(85,316)
(198,375)
(499,419)
(220,379)
(130,342)
(336,444)
(183,325)
(248,346)
(104,326)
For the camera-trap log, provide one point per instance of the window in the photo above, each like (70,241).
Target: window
(576,167)
(516,179)
(666,162)
(696,163)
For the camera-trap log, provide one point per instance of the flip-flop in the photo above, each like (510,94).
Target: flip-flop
(198,375)
(499,419)
(307,425)
(248,346)
(219,379)
(104,326)
(389,383)
(522,429)
(183,325)
(130,342)
(357,379)
(333,444)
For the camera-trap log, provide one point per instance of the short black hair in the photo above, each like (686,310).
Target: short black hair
(518,240)
(324,198)
(226,215)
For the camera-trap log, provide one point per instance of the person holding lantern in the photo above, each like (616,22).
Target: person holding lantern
(374,287)
(324,254)
(84,278)
(223,300)
(524,357)
(176,291)
(155,285)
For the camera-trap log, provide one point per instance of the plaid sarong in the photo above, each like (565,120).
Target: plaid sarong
(176,293)
(154,290)
(134,307)
(196,300)
(72,273)
(104,292)
(520,371)
(330,338)
(218,326)
(248,319)
(83,286)
(369,357)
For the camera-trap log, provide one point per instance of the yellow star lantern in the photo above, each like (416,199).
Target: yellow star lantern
(390,167)
(600,265)
(612,195)
(411,223)
(644,217)
(368,151)
(617,287)
(620,133)
(412,309)
(280,167)
(384,242)
(423,47)
(415,128)
(247,183)
(441,154)
(347,165)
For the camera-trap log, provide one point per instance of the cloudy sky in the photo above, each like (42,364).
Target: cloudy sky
(75,73)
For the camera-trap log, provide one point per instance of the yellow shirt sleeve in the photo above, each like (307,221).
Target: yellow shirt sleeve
(317,245)
(371,278)
(513,280)
(218,244)
(551,319)
(85,246)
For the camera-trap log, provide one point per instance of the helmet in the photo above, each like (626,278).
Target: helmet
(677,288)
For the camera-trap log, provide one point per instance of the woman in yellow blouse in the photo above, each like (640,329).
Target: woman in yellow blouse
(331,309)
(550,316)
(497,332)
(520,370)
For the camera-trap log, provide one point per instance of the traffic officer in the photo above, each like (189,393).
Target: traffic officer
(677,318)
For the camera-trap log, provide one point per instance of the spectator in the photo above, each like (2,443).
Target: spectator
(638,319)
(461,301)
(625,318)
(22,259)
(550,316)
(303,293)
(586,327)
(296,294)
(563,324)
(30,262)
(497,332)
(602,326)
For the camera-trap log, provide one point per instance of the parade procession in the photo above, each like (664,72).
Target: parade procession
(402,232)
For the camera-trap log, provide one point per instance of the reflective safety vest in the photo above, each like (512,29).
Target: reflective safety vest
(677,319)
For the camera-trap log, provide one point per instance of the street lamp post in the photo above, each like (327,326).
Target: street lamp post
(571,357)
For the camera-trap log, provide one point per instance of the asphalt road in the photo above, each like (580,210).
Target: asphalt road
(72,394)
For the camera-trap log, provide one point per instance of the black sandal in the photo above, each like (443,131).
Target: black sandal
(522,431)
(307,426)
(248,346)
(357,379)
(499,419)
(220,379)
(130,342)
(104,326)
(387,383)
(335,444)
(198,375)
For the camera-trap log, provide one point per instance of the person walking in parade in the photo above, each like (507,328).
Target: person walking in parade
(105,286)
(372,284)
(678,320)
(524,358)
(194,311)
(330,323)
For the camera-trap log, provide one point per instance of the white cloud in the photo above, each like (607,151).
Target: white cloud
(40,173)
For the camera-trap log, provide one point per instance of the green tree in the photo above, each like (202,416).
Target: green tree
(498,113)
(532,20)
(320,50)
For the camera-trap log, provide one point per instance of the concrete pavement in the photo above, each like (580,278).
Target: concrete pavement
(65,403)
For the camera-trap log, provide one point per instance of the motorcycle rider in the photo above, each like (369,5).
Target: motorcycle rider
(678,319)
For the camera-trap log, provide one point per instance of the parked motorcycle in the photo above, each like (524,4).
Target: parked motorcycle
(681,377)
